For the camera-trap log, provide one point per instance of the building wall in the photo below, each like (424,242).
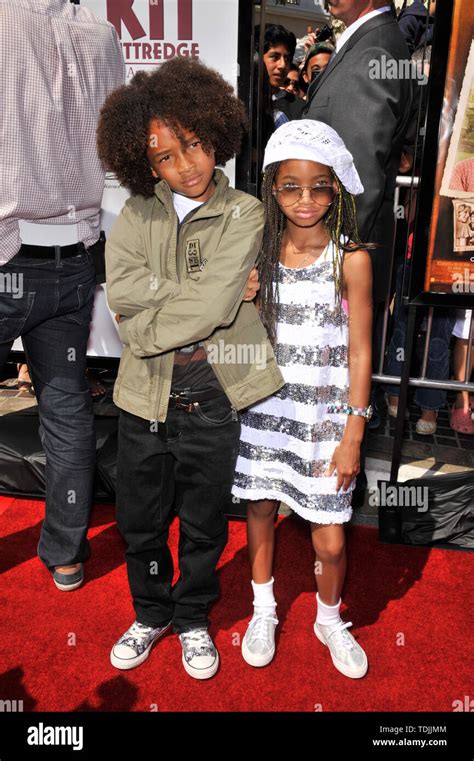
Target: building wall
(296,18)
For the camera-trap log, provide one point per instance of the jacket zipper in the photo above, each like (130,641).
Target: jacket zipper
(235,415)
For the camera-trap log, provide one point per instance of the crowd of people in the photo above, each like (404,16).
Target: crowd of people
(299,279)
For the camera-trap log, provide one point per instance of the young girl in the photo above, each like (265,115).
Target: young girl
(302,444)
(178,260)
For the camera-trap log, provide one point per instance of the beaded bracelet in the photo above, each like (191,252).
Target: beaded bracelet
(348,409)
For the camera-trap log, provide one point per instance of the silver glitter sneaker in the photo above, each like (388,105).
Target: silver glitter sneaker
(200,656)
(135,645)
(347,655)
(258,645)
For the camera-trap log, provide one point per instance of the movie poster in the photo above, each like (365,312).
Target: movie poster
(450,263)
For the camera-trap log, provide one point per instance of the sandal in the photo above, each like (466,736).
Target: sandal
(461,421)
(22,382)
(426,427)
(392,409)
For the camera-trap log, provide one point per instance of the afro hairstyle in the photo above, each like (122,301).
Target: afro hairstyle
(183,94)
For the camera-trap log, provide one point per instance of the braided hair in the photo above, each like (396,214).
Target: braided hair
(341,226)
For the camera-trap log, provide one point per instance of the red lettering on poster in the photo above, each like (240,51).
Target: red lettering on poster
(121,11)
(185,19)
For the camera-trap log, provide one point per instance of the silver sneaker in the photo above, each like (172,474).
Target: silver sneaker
(258,645)
(135,645)
(200,656)
(347,655)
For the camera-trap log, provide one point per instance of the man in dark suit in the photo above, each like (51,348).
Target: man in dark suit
(372,111)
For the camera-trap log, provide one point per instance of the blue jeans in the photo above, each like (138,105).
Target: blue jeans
(49,305)
(438,352)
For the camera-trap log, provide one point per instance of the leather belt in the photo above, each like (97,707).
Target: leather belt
(51,252)
(185,400)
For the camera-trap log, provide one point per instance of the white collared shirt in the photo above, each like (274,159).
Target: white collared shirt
(342,39)
(58,64)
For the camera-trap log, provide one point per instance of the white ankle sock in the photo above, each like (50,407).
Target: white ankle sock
(263,597)
(327,615)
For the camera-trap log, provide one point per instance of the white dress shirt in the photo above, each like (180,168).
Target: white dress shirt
(342,39)
(58,63)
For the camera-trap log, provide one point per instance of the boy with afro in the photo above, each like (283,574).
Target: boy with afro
(178,262)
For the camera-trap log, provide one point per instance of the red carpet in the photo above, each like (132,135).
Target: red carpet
(408,606)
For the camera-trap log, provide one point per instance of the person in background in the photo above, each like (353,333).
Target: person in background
(277,105)
(429,400)
(278,51)
(303,43)
(427,37)
(25,384)
(51,186)
(317,58)
(413,22)
(292,82)
(302,83)
(460,418)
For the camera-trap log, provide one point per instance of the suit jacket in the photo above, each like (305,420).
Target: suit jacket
(291,105)
(372,114)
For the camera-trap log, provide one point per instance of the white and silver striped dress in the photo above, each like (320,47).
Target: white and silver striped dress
(287,440)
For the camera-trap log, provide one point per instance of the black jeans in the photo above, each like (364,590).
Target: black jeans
(49,305)
(187,462)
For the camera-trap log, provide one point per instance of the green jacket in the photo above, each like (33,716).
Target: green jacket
(179,284)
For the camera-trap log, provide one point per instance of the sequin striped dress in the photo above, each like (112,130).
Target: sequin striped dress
(287,440)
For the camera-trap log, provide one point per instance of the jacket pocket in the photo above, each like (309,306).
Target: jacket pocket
(133,374)
(14,313)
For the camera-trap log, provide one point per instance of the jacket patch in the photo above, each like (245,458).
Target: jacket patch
(193,255)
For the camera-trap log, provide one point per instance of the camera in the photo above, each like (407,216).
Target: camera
(324,34)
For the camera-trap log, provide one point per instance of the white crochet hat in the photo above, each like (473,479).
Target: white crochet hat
(310,140)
